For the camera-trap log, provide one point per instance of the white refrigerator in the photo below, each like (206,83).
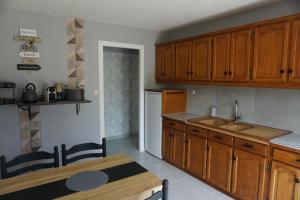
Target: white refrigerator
(153,123)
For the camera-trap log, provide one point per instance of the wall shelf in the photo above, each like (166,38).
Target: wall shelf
(27,106)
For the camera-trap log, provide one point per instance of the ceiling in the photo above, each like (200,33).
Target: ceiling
(159,15)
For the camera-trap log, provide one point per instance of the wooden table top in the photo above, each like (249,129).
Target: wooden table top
(135,187)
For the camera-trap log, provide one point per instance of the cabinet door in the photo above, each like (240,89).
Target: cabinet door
(240,54)
(169,60)
(201,59)
(221,55)
(249,172)
(294,71)
(271,53)
(159,55)
(196,155)
(183,61)
(167,146)
(178,148)
(219,165)
(284,182)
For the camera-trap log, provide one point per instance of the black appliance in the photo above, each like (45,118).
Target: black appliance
(50,94)
(74,94)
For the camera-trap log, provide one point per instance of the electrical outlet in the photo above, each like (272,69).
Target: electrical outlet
(193,92)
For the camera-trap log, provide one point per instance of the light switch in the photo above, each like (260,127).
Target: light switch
(193,92)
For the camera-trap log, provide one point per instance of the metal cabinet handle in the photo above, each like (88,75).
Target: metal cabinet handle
(247,145)
(297,180)
(290,71)
(298,160)
(194,130)
(281,71)
(225,73)
(172,124)
(230,73)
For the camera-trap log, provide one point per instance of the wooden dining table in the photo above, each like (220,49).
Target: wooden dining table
(126,180)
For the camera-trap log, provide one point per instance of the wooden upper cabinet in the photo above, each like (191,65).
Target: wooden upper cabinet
(183,69)
(165,59)
(284,182)
(219,165)
(248,176)
(240,55)
(196,155)
(294,71)
(160,60)
(221,57)
(201,59)
(271,46)
(169,62)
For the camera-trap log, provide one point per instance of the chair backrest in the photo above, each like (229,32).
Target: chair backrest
(163,194)
(26,158)
(80,148)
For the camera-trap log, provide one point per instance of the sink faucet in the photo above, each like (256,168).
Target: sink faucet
(236,115)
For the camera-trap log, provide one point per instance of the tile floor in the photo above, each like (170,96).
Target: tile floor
(182,186)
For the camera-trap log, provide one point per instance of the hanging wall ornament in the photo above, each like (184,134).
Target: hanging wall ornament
(28,51)
(76,52)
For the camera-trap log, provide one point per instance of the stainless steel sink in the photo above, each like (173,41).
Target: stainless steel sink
(212,121)
(236,127)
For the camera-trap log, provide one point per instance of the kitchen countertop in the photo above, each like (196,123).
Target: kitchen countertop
(183,116)
(256,133)
(291,141)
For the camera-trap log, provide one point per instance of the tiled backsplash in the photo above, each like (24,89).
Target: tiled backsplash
(120,92)
(279,108)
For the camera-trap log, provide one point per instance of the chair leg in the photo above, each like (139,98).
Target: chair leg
(56,157)
(104,147)
(165,189)
(63,155)
(3,167)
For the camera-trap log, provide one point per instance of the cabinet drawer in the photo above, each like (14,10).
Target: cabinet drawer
(174,124)
(287,157)
(197,131)
(252,147)
(221,138)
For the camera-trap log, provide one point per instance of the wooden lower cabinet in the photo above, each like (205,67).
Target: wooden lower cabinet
(167,147)
(196,155)
(285,183)
(219,165)
(178,148)
(248,176)
(173,146)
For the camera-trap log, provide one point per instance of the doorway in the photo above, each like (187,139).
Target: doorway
(121,96)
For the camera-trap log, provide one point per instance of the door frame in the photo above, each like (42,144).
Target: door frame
(140,48)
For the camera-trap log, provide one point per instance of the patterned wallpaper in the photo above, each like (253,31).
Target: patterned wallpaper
(120,92)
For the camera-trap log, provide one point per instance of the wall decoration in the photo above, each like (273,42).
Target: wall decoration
(28,51)
(76,52)
(30,130)
(28,32)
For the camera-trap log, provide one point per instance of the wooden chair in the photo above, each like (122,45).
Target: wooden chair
(26,158)
(80,148)
(163,194)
